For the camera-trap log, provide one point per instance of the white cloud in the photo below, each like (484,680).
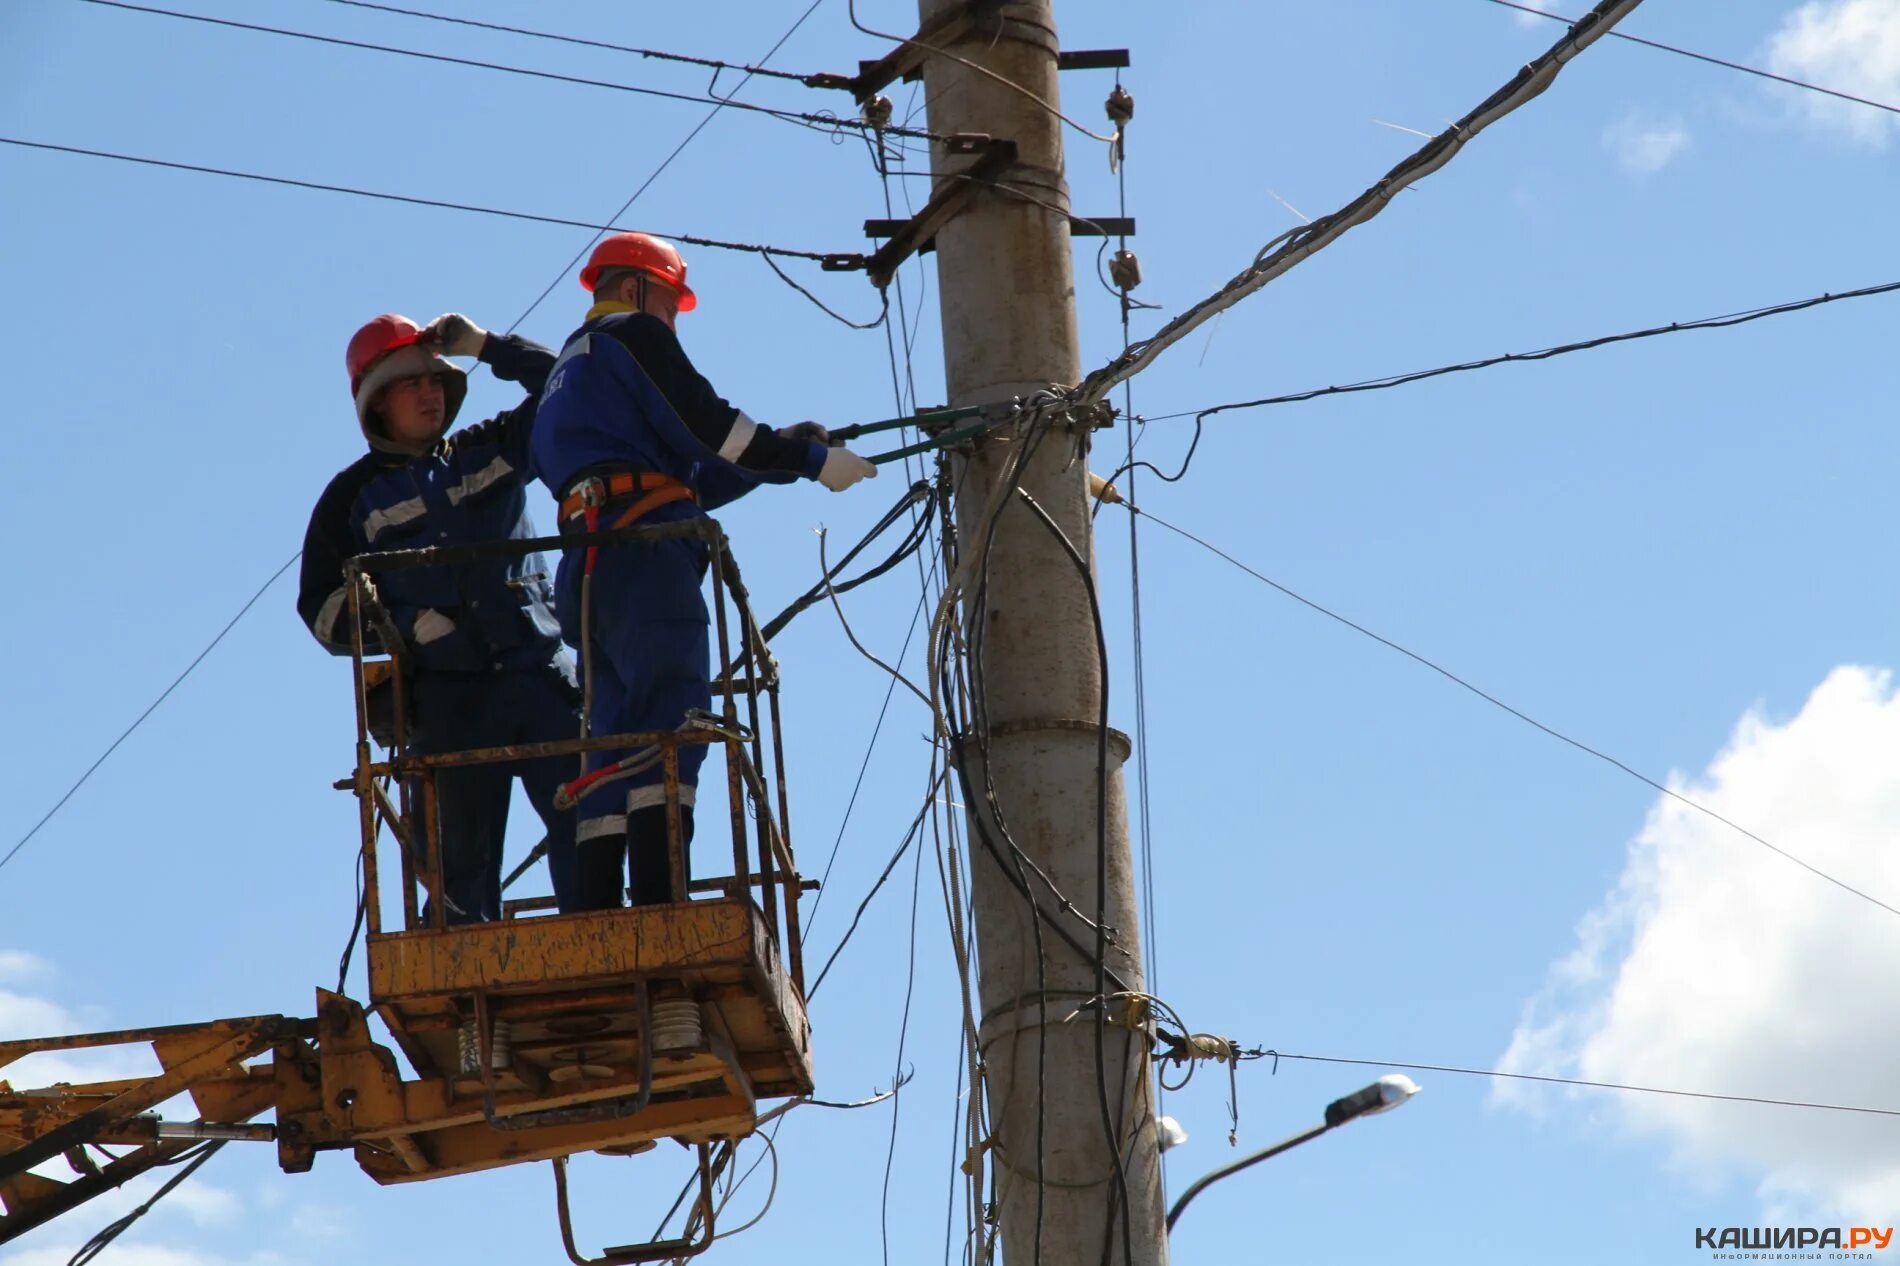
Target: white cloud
(1644,147)
(18,966)
(31,1015)
(1531,19)
(1716,966)
(125,1252)
(316,1221)
(1849,45)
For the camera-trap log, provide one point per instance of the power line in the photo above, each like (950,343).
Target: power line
(751,248)
(150,708)
(1593,1085)
(821,121)
(656,173)
(1525,717)
(1283,253)
(820,80)
(1548,353)
(1713,61)
(113,1230)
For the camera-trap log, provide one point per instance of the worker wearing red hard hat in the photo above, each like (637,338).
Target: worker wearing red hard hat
(630,432)
(481,646)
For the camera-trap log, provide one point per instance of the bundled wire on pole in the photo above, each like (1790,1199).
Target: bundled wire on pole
(1713,61)
(1291,248)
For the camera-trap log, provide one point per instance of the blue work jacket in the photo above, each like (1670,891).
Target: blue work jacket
(470,488)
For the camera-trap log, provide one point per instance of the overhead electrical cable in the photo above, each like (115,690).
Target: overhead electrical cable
(1283,253)
(151,708)
(1592,1085)
(1713,61)
(660,170)
(967,64)
(103,1238)
(1562,349)
(828,122)
(1521,715)
(750,248)
(654,54)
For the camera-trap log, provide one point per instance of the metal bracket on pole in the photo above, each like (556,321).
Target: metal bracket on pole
(1079,226)
(906,61)
(908,237)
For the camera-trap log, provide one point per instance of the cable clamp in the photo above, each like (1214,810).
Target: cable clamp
(700,719)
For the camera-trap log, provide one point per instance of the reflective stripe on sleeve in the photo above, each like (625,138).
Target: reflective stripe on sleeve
(743,429)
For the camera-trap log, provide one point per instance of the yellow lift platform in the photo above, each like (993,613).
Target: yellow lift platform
(530,1038)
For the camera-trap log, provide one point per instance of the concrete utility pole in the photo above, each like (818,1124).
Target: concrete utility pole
(1007,297)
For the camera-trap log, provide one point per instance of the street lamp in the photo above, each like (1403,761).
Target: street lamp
(1382,1095)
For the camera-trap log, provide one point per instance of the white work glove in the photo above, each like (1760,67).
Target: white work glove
(843,468)
(453,334)
(805,431)
(431,625)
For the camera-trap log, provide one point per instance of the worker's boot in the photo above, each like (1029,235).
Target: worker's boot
(649,871)
(597,881)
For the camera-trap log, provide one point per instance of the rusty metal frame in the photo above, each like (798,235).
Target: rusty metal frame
(653,1251)
(767,870)
(332,1086)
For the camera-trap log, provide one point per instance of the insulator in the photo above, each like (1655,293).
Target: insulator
(677,1026)
(1124,269)
(1120,107)
(468,1046)
(877,112)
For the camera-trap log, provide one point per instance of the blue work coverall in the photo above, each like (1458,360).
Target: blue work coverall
(624,398)
(488,668)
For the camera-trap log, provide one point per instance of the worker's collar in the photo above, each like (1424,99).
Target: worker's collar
(608,307)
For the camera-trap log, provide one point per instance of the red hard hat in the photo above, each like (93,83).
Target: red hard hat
(645,253)
(386,349)
(381,336)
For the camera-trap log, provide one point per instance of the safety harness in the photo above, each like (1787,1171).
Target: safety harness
(584,501)
(587,498)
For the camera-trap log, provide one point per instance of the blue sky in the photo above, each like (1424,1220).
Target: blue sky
(1665,549)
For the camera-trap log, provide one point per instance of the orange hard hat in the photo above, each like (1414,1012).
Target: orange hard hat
(387,348)
(644,253)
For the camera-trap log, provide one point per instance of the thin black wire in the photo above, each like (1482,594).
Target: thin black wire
(655,174)
(438,203)
(896,857)
(884,313)
(113,1230)
(651,53)
(1725,321)
(1593,1085)
(1713,61)
(903,1036)
(1525,717)
(825,122)
(151,707)
(863,765)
